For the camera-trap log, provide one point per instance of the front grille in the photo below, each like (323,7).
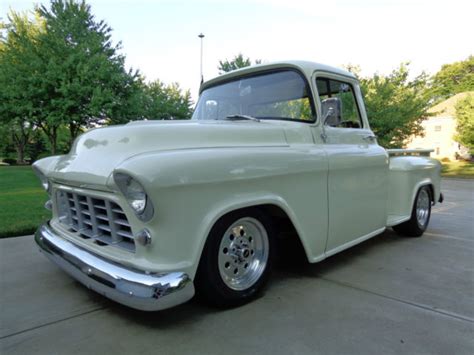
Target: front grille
(93,218)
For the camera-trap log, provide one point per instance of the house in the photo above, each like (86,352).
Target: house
(439,131)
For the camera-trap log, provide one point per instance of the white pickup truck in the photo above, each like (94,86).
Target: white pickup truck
(152,212)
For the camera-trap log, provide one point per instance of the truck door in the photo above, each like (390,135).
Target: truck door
(358,166)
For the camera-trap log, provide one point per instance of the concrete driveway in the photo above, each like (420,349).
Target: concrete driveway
(388,295)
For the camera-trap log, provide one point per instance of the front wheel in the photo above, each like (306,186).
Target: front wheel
(420,215)
(237,258)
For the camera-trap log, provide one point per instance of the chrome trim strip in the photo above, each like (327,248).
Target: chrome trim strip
(133,288)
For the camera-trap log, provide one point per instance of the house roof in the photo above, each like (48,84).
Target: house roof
(447,107)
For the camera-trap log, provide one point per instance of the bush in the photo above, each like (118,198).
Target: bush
(445,160)
(10,161)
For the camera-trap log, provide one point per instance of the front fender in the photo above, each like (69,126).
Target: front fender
(223,207)
(191,189)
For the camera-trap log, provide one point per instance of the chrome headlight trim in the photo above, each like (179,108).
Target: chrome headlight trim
(135,195)
(43,179)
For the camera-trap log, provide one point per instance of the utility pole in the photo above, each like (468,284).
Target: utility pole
(201,36)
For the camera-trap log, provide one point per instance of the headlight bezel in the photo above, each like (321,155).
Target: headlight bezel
(45,183)
(131,188)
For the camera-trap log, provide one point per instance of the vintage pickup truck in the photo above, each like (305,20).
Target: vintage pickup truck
(152,212)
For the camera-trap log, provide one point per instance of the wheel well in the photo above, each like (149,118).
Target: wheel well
(430,186)
(286,234)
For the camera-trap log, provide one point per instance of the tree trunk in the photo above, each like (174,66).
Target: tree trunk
(53,138)
(73,130)
(52,134)
(20,138)
(20,149)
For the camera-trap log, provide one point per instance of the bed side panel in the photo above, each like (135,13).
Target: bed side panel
(407,174)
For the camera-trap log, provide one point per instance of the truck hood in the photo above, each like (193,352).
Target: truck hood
(96,154)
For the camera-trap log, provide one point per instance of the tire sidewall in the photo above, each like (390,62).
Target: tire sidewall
(421,227)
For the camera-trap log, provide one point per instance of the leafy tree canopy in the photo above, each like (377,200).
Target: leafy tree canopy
(396,105)
(61,69)
(236,63)
(85,78)
(17,47)
(465,122)
(60,73)
(166,101)
(452,79)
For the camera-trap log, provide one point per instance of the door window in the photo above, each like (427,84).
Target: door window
(338,103)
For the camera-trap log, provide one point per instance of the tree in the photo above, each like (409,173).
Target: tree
(396,105)
(7,147)
(465,122)
(63,70)
(130,102)
(17,49)
(84,75)
(238,62)
(166,101)
(453,78)
(36,146)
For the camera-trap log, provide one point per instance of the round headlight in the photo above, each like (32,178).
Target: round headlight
(136,196)
(133,192)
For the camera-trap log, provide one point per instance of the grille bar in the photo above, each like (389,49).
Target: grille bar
(95,218)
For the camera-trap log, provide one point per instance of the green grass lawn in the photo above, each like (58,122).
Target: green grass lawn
(22,201)
(458,169)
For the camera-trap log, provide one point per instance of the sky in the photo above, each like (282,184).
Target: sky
(160,38)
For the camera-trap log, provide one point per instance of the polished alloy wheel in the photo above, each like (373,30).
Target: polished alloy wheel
(423,207)
(243,253)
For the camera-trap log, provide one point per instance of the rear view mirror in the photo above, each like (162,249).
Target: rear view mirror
(331,111)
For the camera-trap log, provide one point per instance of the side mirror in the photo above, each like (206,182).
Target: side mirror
(331,111)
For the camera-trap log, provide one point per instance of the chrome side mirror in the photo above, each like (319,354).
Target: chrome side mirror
(329,113)
(331,109)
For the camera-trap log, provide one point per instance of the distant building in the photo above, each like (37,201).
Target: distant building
(440,129)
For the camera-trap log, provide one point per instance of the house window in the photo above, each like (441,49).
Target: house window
(437,128)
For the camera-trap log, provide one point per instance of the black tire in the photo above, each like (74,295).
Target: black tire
(416,226)
(211,286)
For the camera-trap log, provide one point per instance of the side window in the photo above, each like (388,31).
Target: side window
(338,103)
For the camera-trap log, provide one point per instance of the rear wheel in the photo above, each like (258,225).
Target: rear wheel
(420,215)
(237,258)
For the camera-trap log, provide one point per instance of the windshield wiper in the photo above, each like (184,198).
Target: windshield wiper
(242,117)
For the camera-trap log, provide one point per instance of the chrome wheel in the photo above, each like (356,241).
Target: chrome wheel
(423,207)
(243,253)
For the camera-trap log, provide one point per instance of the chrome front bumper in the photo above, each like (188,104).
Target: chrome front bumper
(133,288)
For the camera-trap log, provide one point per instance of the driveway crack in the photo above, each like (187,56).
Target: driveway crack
(52,322)
(399,300)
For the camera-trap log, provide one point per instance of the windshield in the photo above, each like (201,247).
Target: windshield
(280,95)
